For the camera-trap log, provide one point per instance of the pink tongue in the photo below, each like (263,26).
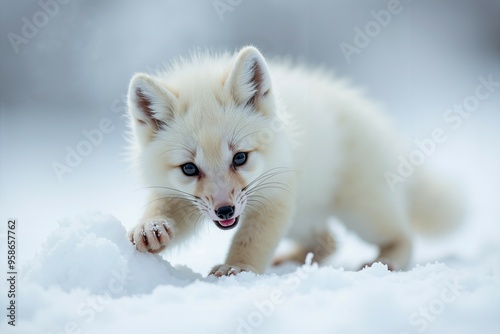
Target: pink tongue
(228,222)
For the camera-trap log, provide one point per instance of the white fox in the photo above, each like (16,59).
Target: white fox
(275,150)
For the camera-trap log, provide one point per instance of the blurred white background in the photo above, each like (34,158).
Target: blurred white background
(73,71)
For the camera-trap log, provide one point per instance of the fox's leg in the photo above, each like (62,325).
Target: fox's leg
(395,254)
(159,224)
(254,243)
(321,245)
(380,218)
(391,233)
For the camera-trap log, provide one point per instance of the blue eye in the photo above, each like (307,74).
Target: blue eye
(239,159)
(190,169)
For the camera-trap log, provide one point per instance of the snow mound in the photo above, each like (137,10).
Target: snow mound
(92,252)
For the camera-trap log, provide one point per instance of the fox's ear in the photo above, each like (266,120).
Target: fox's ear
(249,81)
(151,106)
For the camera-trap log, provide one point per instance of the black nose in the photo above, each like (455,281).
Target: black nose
(225,212)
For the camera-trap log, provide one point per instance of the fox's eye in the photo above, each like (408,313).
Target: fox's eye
(190,169)
(239,159)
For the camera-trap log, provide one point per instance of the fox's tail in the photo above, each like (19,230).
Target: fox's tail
(437,204)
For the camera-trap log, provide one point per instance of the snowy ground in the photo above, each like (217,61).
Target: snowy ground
(87,278)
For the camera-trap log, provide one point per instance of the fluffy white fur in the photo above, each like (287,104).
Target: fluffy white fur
(315,148)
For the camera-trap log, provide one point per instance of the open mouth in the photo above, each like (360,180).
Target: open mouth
(227,224)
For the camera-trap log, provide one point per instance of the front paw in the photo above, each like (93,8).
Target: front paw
(230,270)
(152,234)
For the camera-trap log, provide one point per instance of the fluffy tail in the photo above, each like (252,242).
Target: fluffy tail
(437,204)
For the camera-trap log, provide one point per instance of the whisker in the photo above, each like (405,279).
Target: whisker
(181,144)
(248,134)
(274,187)
(189,213)
(176,148)
(173,189)
(235,139)
(259,202)
(184,207)
(260,184)
(260,196)
(250,193)
(166,197)
(267,175)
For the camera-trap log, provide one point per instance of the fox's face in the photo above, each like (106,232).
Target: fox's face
(209,158)
(201,141)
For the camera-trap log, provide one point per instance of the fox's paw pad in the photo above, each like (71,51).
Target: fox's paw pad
(151,235)
(230,270)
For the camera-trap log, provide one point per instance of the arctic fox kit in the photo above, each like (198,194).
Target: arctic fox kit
(274,150)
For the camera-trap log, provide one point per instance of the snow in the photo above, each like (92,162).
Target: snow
(88,278)
(95,248)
